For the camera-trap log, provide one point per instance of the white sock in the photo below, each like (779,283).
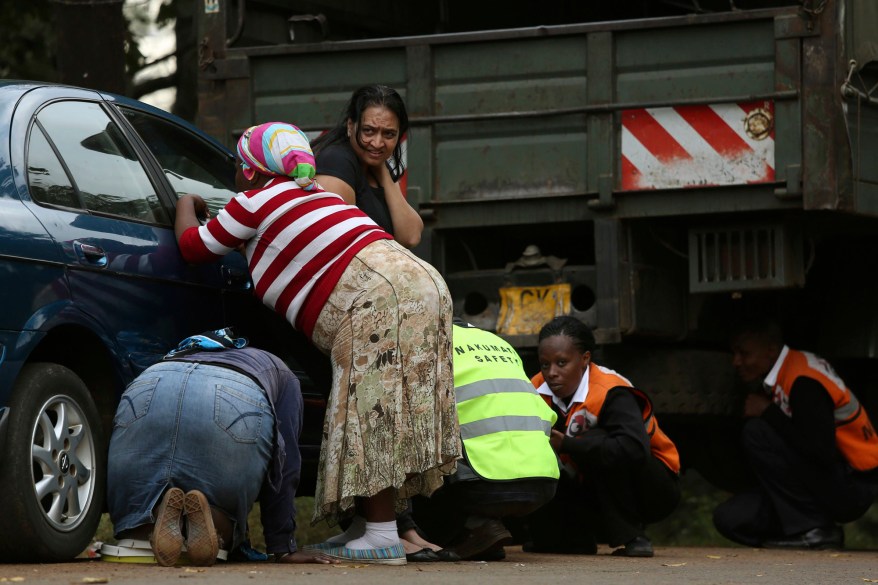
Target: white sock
(355,530)
(378,535)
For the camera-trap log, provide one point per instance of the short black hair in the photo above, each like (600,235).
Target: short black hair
(573,328)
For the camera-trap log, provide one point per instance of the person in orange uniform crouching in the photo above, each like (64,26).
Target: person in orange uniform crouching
(620,472)
(808,440)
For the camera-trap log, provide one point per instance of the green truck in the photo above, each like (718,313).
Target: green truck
(654,177)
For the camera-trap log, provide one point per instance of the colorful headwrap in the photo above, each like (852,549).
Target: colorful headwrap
(277,148)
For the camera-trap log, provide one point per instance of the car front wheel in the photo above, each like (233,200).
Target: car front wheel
(53,470)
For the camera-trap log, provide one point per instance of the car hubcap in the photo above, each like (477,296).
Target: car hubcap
(63,457)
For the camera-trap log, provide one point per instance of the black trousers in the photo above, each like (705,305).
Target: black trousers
(443,515)
(793,494)
(607,505)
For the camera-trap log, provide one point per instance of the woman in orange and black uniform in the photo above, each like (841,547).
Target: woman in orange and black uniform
(619,470)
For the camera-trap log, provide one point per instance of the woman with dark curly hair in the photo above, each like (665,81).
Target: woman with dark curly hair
(361,159)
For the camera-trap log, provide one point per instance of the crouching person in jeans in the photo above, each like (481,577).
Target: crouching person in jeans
(197,439)
(509,468)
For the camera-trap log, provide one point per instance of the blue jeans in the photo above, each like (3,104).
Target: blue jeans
(191,426)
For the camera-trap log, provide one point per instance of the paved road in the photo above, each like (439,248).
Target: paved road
(671,566)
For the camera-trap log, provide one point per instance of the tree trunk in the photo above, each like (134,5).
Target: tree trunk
(186,104)
(91,43)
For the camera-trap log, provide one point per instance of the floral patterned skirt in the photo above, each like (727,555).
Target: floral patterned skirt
(391,418)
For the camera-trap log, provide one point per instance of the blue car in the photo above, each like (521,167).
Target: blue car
(93,290)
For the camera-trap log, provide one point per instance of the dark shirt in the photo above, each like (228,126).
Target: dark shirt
(619,439)
(277,499)
(811,427)
(340,161)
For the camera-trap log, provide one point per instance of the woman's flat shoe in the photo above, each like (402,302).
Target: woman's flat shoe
(389,555)
(447,555)
(202,541)
(425,555)
(166,539)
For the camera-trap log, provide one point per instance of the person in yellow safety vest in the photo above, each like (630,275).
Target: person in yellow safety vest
(809,441)
(621,469)
(508,468)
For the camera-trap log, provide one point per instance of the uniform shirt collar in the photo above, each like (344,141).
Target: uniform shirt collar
(771,378)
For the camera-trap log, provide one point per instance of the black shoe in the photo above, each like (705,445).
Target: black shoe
(817,539)
(639,546)
(448,555)
(487,535)
(425,555)
(492,554)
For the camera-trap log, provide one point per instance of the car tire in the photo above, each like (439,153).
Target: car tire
(53,471)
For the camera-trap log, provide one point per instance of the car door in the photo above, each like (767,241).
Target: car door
(190,164)
(111,218)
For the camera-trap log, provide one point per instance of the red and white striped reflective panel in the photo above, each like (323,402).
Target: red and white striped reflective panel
(697,146)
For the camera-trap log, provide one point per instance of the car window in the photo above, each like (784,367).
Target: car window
(191,164)
(46,176)
(105,171)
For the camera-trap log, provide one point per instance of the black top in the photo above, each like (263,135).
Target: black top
(811,427)
(340,161)
(619,439)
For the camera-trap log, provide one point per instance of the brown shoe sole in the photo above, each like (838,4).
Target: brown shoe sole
(167,534)
(488,536)
(202,544)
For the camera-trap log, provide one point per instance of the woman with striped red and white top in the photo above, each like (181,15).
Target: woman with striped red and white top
(382,315)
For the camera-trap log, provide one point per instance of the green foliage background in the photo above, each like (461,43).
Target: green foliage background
(26,50)
(28,41)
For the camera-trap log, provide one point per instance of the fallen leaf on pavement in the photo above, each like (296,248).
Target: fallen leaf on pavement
(673,564)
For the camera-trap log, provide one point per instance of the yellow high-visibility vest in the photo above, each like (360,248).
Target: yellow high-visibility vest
(504,423)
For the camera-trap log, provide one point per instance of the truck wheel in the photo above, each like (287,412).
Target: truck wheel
(53,471)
